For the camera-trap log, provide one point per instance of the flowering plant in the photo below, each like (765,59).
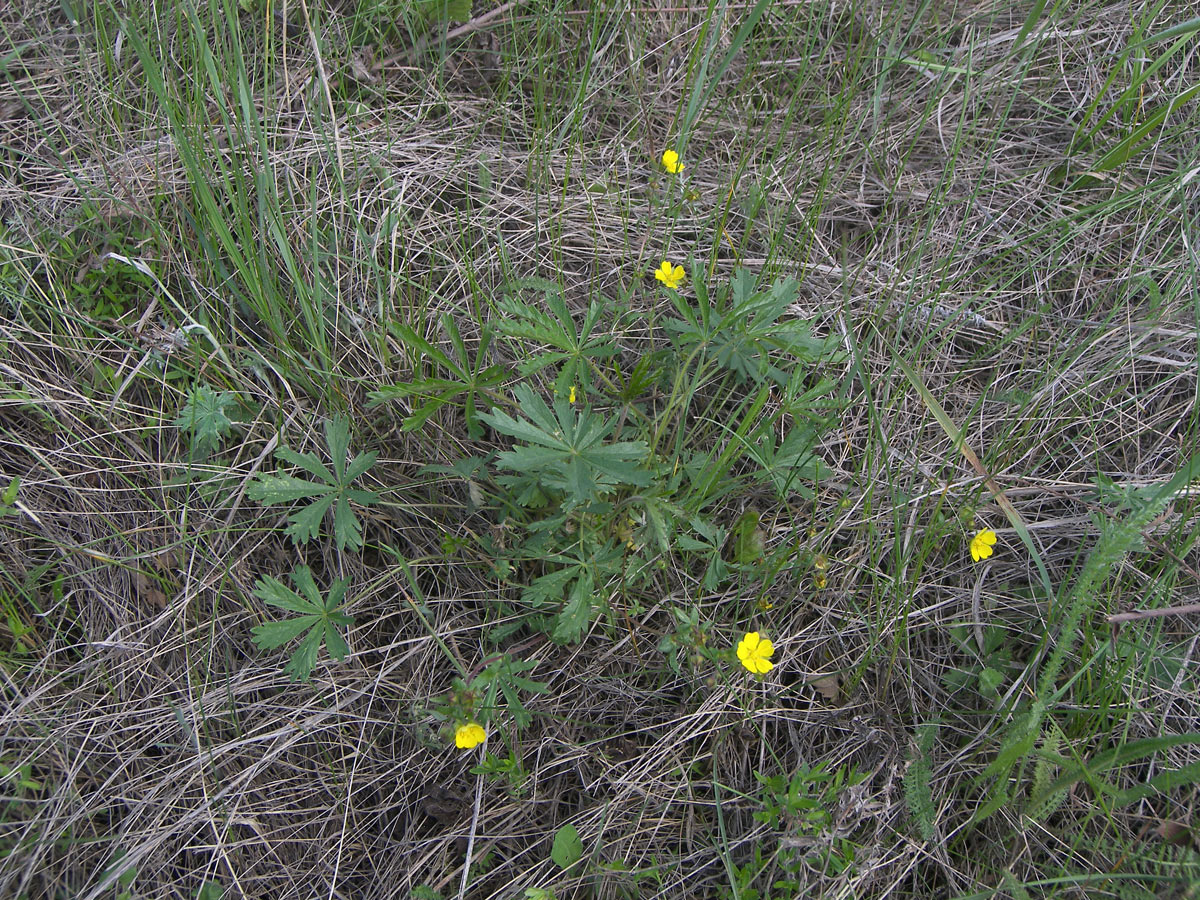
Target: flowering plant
(755,652)
(981,544)
(671,276)
(670,161)
(469,735)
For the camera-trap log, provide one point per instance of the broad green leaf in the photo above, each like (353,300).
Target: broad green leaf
(306,523)
(308,463)
(270,635)
(576,616)
(283,489)
(337,438)
(359,465)
(337,594)
(276,593)
(366,498)
(300,666)
(332,486)
(749,541)
(334,642)
(568,848)
(346,529)
(302,578)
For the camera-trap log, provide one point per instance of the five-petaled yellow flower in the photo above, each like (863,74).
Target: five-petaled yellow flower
(981,544)
(468,735)
(670,161)
(671,276)
(755,653)
(571,398)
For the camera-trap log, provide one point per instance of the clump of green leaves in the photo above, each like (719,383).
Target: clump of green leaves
(612,471)
(498,686)
(742,329)
(568,463)
(319,616)
(205,416)
(467,377)
(330,489)
(803,807)
(565,453)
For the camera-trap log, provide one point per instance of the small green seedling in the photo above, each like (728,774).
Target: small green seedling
(9,498)
(204,415)
(319,617)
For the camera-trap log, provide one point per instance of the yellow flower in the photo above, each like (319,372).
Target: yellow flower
(468,735)
(571,398)
(670,161)
(671,276)
(755,653)
(981,544)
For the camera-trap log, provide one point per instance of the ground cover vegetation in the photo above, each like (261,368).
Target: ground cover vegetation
(556,449)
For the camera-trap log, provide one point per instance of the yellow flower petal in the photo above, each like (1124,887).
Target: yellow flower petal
(468,735)
(981,544)
(671,276)
(670,161)
(753,650)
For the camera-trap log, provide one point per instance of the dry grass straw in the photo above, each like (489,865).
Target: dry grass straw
(929,217)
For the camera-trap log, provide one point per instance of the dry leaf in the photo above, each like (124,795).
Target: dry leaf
(828,686)
(148,590)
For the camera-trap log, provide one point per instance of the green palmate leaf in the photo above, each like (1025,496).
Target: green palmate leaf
(470,377)
(571,348)
(204,415)
(565,450)
(319,617)
(576,616)
(332,488)
(742,329)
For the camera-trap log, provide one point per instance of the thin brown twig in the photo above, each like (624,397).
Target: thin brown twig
(1139,614)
